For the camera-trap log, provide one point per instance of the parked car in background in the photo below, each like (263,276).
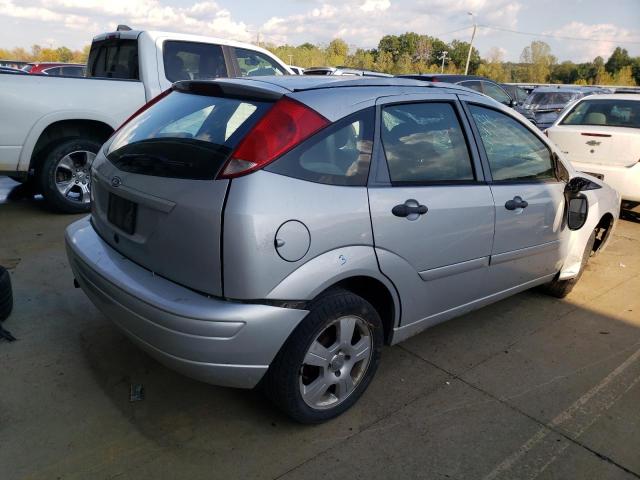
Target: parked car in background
(41,67)
(12,70)
(343,71)
(233,226)
(474,82)
(544,104)
(600,135)
(52,139)
(519,94)
(71,70)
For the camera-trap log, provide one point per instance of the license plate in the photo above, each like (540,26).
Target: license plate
(122,213)
(597,175)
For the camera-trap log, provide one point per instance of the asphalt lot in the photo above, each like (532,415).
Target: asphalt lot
(530,387)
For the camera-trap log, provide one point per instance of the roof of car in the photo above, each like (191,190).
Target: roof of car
(443,77)
(559,88)
(613,96)
(297,83)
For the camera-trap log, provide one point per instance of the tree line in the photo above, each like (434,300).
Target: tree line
(414,53)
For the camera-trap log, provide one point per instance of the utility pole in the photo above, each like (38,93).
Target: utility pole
(290,59)
(442,56)
(473,35)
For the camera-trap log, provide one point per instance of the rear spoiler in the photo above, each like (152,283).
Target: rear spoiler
(229,89)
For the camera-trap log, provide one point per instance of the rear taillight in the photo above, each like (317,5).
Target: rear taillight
(144,107)
(283,127)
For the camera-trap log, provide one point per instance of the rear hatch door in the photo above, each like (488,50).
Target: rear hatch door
(156,197)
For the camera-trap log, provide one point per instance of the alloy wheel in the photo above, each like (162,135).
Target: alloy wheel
(335,362)
(73,176)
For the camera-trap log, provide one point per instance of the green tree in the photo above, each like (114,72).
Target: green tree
(619,59)
(539,60)
(458,52)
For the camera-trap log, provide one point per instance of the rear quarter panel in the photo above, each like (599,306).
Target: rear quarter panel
(258,204)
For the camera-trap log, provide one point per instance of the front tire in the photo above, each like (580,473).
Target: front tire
(65,175)
(562,288)
(329,360)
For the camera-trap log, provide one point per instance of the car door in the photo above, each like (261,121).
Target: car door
(431,211)
(529,199)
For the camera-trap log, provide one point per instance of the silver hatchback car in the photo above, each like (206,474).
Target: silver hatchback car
(278,231)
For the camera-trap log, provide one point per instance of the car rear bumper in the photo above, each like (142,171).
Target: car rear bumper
(625,180)
(212,340)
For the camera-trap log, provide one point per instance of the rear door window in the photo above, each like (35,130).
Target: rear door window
(496,93)
(193,61)
(114,58)
(184,136)
(514,152)
(424,144)
(472,84)
(338,155)
(256,64)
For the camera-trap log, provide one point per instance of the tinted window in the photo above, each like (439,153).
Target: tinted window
(339,155)
(72,71)
(184,136)
(52,71)
(496,93)
(537,99)
(472,84)
(424,143)
(610,112)
(254,64)
(193,61)
(114,59)
(514,152)
(27,68)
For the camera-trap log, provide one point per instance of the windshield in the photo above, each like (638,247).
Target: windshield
(609,112)
(184,136)
(541,99)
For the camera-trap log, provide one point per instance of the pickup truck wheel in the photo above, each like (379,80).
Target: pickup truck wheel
(562,288)
(329,360)
(65,175)
(6,296)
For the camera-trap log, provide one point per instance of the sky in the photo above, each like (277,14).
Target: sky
(589,27)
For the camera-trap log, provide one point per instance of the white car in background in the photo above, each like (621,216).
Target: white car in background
(600,135)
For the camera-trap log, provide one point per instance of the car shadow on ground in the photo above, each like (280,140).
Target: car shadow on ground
(536,352)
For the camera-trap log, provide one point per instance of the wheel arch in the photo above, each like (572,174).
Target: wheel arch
(378,295)
(52,129)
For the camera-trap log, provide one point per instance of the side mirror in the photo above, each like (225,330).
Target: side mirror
(513,103)
(577,211)
(577,203)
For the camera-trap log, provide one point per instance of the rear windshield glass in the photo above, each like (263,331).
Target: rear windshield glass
(114,58)
(184,136)
(550,98)
(609,112)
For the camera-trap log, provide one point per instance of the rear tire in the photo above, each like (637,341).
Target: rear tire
(64,177)
(6,295)
(562,288)
(317,375)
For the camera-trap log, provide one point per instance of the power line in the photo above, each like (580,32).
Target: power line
(561,37)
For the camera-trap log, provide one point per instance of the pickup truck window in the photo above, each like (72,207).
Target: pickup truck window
(254,64)
(114,58)
(193,61)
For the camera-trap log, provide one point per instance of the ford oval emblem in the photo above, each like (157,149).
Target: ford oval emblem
(116,181)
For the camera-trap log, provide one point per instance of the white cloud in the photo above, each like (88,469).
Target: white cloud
(373,5)
(602,39)
(205,18)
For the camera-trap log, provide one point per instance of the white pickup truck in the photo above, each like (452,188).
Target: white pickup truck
(52,127)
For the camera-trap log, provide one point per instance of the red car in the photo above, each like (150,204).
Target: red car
(55,68)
